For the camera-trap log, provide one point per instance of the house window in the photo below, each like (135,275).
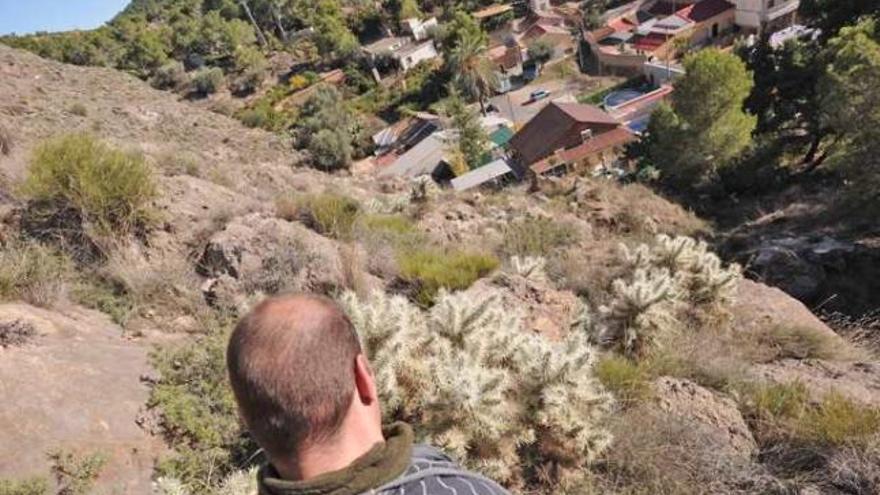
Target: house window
(771,4)
(586,134)
(715,30)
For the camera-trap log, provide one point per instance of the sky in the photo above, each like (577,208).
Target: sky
(27,16)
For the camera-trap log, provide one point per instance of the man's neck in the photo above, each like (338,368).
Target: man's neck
(327,457)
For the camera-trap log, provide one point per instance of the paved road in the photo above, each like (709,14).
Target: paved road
(515,105)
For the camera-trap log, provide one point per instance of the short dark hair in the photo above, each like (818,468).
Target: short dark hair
(291,364)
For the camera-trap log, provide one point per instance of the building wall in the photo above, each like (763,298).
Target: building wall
(755,15)
(703,31)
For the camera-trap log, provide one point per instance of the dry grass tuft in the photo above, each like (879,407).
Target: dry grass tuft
(33,273)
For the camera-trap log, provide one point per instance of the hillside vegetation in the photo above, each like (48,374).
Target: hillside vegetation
(586,336)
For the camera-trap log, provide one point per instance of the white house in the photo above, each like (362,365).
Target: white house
(410,55)
(419,29)
(762,15)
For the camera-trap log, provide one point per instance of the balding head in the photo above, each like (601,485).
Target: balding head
(292,366)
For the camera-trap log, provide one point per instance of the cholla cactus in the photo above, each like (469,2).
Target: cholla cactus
(529,267)
(474,383)
(387,205)
(640,313)
(237,483)
(660,281)
(423,189)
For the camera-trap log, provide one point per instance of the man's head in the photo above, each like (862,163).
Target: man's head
(300,378)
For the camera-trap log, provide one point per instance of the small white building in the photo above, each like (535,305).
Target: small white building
(420,30)
(410,56)
(762,15)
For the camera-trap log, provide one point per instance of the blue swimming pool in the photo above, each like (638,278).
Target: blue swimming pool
(620,97)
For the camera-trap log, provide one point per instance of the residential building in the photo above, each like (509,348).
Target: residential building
(567,137)
(420,30)
(405,53)
(760,16)
(657,30)
(429,156)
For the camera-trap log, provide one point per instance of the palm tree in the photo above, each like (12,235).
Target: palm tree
(473,72)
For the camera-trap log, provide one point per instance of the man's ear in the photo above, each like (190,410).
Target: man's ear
(364,381)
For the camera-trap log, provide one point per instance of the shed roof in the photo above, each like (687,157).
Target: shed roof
(481,175)
(492,10)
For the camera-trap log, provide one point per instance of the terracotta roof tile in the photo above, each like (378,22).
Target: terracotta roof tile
(606,140)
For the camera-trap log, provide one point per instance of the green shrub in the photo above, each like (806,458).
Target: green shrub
(75,473)
(79,109)
(112,189)
(537,236)
(33,273)
(838,420)
(105,296)
(169,76)
(32,486)
(253,117)
(393,224)
(207,81)
(330,214)
(198,412)
(433,269)
(784,412)
(624,378)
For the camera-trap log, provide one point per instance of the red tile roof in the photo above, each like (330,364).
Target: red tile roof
(554,125)
(697,12)
(650,42)
(604,141)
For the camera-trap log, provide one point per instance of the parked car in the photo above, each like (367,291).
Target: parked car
(538,94)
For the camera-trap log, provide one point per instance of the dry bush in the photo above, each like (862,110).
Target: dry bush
(137,283)
(856,469)
(16,333)
(536,236)
(511,404)
(633,210)
(655,453)
(799,342)
(34,273)
(5,140)
(279,269)
(587,272)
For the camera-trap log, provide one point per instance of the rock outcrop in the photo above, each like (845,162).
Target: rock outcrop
(75,384)
(720,415)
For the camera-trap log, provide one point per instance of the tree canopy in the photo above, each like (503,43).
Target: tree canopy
(706,127)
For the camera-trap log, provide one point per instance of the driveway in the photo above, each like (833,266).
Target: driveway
(516,107)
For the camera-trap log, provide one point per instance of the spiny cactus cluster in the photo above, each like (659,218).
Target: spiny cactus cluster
(662,280)
(237,483)
(510,404)
(529,267)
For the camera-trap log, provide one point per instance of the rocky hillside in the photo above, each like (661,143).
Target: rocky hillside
(718,384)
